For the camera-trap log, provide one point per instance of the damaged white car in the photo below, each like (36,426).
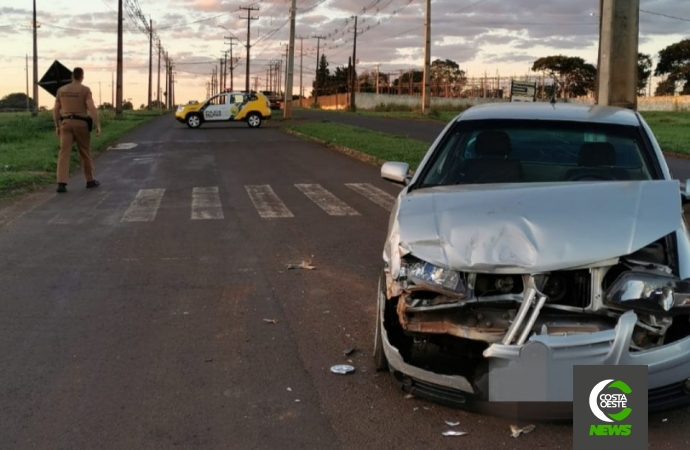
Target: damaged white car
(534,237)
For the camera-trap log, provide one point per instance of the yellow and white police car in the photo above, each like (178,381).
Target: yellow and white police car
(237,106)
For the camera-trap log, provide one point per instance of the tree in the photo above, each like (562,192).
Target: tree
(572,74)
(16,101)
(446,78)
(665,87)
(322,74)
(644,71)
(674,61)
(127,105)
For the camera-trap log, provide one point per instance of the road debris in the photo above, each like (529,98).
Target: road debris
(342,369)
(290,389)
(664,420)
(271,320)
(515,431)
(454,433)
(348,351)
(306,264)
(452,424)
(409,396)
(209,360)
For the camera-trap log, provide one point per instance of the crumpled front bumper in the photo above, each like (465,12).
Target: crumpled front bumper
(535,380)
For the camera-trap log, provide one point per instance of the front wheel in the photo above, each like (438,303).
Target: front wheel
(193,121)
(254,120)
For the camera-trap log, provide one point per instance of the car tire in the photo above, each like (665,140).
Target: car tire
(254,120)
(193,121)
(380,361)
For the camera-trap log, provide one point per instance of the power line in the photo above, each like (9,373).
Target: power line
(665,15)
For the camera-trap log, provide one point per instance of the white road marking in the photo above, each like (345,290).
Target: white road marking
(206,203)
(79,216)
(376,195)
(144,207)
(266,202)
(326,201)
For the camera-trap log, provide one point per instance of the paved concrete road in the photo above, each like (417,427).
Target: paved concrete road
(428,131)
(134,316)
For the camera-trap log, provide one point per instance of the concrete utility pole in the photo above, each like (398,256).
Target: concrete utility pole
(316,76)
(158,84)
(249,19)
(287,111)
(354,70)
(301,61)
(426,93)
(35,27)
(221,80)
(232,61)
(287,53)
(118,97)
(148,105)
(618,50)
(112,90)
(28,103)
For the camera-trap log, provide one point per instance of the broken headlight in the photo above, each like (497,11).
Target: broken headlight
(435,278)
(651,292)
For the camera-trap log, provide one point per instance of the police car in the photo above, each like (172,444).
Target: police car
(237,106)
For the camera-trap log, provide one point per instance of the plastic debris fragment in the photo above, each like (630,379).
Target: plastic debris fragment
(518,431)
(342,369)
(452,424)
(303,265)
(271,320)
(454,433)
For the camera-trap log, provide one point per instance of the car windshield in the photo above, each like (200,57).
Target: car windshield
(520,151)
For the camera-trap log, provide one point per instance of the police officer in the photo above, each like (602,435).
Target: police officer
(72,125)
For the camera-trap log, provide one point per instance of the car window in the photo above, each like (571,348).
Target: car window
(218,100)
(238,98)
(530,151)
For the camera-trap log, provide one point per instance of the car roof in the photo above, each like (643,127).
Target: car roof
(548,111)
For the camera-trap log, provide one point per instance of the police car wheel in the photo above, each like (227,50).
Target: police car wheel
(193,121)
(254,120)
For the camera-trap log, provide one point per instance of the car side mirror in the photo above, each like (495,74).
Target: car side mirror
(397,172)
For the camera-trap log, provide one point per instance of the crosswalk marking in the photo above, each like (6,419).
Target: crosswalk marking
(326,201)
(266,202)
(145,206)
(376,195)
(206,203)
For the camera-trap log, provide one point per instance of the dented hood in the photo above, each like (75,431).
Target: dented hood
(523,228)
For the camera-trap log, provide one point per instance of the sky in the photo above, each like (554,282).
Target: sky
(483,36)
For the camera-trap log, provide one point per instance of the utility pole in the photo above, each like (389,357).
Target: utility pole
(232,61)
(290,63)
(426,93)
(167,80)
(249,19)
(100,99)
(35,27)
(148,105)
(158,84)
(377,77)
(285,97)
(28,103)
(301,61)
(618,50)
(118,98)
(220,76)
(112,90)
(354,70)
(316,76)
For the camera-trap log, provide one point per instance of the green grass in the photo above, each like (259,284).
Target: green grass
(29,146)
(380,145)
(671,128)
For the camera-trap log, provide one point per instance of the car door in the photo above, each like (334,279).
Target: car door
(218,108)
(237,103)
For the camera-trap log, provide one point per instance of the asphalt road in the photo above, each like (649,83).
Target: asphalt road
(428,131)
(156,311)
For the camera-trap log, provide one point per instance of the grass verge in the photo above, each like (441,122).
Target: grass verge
(366,145)
(29,147)
(671,128)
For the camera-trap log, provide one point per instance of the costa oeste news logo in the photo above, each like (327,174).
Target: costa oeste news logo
(610,395)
